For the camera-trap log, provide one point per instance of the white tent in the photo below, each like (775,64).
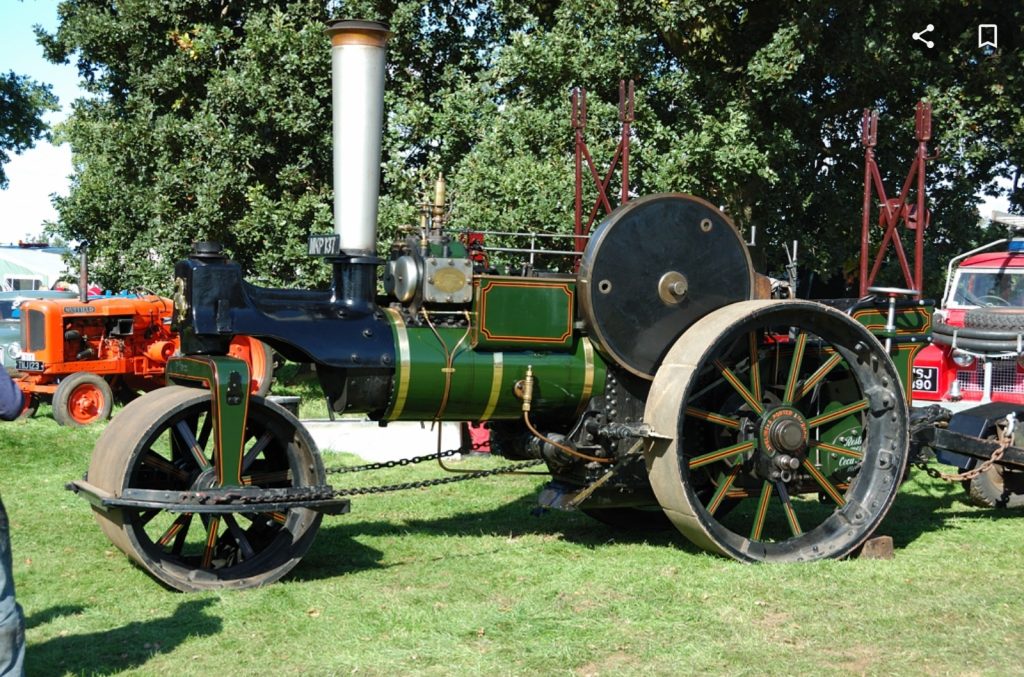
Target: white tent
(27,269)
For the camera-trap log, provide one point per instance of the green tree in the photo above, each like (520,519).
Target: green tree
(22,105)
(210,120)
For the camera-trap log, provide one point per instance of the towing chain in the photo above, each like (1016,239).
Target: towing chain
(1005,437)
(966,475)
(462,477)
(392,464)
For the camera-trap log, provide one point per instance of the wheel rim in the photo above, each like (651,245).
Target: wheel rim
(173,451)
(789,414)
(85,403)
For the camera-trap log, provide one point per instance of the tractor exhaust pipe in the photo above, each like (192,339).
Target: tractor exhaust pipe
(357,89)
(83,273)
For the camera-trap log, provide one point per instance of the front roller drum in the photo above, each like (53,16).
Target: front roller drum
(780,432)
(162,441)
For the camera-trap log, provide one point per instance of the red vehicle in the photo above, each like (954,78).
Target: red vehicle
(81,355)
(977,353)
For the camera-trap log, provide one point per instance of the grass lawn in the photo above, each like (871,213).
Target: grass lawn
(463,579)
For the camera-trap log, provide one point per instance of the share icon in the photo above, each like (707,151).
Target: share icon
(928,43)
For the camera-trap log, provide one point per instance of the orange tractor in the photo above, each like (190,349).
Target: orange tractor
(81,355)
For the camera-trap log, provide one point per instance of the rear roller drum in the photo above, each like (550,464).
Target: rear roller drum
(163,441)
(780,432)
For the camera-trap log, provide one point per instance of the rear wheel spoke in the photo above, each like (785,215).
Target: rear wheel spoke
(836,414)
(794,367)
(721,454)
(819,375)
(755,365)
(719,419)
(179,539)
(725,481)
(212,527)
(156,461)
(264,479)
(787,508)
(762,512)
(240,538)
(185,436)
(738,386)
(180,524)
(256,450)
(829,488)
(204,431)
(837,449)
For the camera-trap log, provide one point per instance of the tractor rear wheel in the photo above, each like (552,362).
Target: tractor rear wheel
(260,357)
(29,406)
(790,409)
(163,441)
(82,399)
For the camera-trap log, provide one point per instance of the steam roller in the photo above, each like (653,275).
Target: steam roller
(657,383)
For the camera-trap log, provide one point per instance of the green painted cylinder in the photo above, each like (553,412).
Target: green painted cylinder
(481,385)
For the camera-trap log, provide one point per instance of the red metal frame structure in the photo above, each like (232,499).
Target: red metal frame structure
(894,210)
(579,123)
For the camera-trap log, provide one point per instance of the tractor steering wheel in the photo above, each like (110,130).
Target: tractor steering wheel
(993,300)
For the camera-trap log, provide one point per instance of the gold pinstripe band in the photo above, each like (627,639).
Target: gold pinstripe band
(404,364)
(497,373)
(588,366)
(588,375)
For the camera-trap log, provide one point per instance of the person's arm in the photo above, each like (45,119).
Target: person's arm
(10,397)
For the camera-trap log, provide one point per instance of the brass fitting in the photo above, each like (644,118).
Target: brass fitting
(527,388)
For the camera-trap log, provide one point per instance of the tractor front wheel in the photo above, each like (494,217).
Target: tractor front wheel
(82,399)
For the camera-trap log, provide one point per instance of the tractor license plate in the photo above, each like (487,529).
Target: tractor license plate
(29,365)
(324,245)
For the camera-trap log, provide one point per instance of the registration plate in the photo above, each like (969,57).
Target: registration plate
(926,379)
(29,365)
(324,245)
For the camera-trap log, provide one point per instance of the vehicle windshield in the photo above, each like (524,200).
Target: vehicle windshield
(988,288)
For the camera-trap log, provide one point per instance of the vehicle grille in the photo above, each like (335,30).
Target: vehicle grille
(36,339)
(1005,377)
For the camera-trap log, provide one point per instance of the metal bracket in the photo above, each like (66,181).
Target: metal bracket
(228,381)
(942,438)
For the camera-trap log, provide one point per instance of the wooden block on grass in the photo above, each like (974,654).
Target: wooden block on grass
(879,547)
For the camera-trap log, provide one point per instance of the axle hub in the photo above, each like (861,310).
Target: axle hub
(783,430)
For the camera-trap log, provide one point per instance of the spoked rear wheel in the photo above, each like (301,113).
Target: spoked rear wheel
(163,441)
(788,412)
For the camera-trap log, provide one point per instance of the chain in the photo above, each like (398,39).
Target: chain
(503,470)
(393,464)
(359,491)
(1005,438)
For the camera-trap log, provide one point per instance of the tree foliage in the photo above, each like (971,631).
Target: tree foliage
(22,105)
(210,120)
